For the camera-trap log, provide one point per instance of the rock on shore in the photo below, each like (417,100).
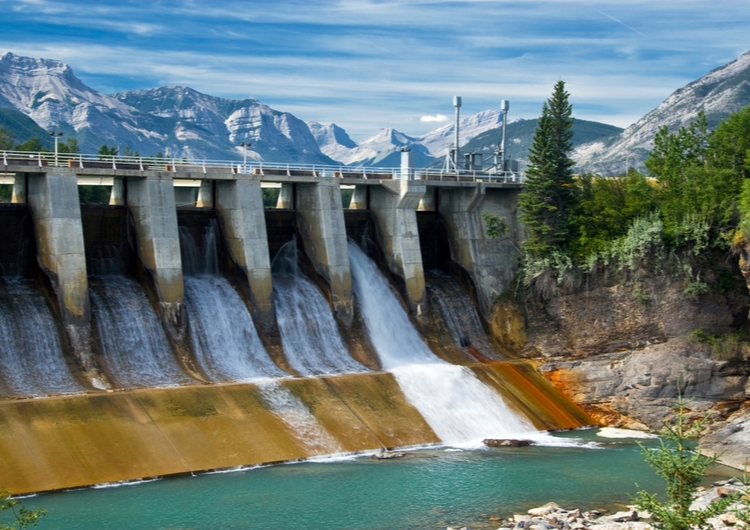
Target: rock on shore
(553,517)
(617,348)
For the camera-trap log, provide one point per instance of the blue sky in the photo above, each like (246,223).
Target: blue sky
(367,64)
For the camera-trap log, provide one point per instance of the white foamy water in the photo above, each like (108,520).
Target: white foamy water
(309,333)
(297,416)
(225,341)
(457,406)
(31,356)
(223,334)
(134,346)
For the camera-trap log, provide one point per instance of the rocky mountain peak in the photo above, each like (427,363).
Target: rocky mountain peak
(719,93)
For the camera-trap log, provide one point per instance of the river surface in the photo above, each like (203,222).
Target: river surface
(428,488)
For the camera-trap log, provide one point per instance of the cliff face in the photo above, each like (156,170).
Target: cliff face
(619,348)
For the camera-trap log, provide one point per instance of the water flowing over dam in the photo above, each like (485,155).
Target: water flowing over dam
(31,358)
(223,335)
(135,349)
(454,402)
(166,339)
(309,333)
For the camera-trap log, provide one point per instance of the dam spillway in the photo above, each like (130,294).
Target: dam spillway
(256,362)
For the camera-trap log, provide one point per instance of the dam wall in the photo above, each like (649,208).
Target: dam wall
(205,331)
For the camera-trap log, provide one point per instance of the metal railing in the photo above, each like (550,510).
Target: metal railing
(267,169)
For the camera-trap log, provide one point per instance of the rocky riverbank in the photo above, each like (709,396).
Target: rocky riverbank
(553,517)
(619,348)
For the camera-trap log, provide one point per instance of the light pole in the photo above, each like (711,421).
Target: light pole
(244,146)
(56,135)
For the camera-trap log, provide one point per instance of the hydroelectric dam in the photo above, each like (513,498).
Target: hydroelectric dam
(185,327)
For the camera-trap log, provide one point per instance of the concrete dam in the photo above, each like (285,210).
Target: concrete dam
(185,327)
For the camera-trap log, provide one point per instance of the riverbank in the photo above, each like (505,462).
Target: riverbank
(552,517)
(618,348)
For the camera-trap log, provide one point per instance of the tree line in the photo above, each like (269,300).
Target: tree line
(694,198)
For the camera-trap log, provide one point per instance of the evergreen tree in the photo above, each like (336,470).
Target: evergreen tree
(550,195)
(6,140)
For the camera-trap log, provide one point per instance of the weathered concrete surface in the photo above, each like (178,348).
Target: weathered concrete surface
(19,189)
(205,195)
(532,395)
(151,202)
(323,232)
(428,202)
(376,399)
(491,263)
(55,207)
(72,441)
(240,207)
(286,196)
(359,198)
(117,195)
(395,206)
(53,199)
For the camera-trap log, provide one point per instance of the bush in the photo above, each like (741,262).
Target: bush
(23,517)
(682,468)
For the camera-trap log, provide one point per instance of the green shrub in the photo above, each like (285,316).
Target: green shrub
(682,468)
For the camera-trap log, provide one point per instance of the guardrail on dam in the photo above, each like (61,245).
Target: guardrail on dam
(234,193)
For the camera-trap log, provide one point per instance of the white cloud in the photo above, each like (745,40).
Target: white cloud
(437,118)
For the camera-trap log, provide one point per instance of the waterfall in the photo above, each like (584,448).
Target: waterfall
(459,314)
(31,356)
(224,338)
(134,346)
(222,332)
(457,405)
(297,416)
(309,334)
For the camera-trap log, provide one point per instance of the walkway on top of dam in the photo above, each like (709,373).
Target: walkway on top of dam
(97,167)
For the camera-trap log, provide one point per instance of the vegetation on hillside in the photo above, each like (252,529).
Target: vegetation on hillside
(694,201)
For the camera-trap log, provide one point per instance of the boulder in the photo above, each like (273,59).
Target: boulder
(492,442)
(547,509)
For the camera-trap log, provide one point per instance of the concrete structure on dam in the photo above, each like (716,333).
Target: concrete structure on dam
(236,198)
(109,431)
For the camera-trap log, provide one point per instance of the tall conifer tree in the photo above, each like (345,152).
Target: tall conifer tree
(550,193)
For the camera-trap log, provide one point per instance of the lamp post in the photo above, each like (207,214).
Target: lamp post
(56,135)
(244,146)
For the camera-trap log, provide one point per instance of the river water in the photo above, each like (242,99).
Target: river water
(429,488)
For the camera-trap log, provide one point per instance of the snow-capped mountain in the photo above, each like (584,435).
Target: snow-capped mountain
(332,140)
(438,141)
(200,119)
(383,148)
(176,121)
(719,93)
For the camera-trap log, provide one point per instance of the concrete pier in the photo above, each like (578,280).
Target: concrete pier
(286,196)
(395,205)
(55,207)
(151,202)
(359,198)
(240,207)
(117,195)
(323,234)
(206,195)
(491,263)
(19,189)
